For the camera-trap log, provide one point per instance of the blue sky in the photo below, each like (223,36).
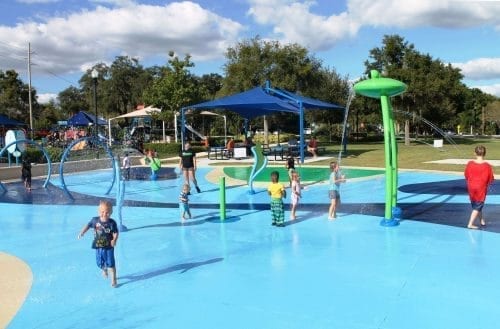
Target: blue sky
(69,36)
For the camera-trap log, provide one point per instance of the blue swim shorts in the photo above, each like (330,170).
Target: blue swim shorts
(477,205)
(105,257)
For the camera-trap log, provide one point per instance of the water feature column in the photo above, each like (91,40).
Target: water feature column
(384,88)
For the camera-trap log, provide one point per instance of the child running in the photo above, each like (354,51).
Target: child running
(277,192)
(105,237)
(295,194)
(479,176)
(334,190)
(184,202)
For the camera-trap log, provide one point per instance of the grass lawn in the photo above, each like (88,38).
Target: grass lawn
(418,153)
(413,156)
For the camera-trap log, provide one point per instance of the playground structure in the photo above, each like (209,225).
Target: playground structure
(376,87)
(16,147)
(260,163)
(95,142)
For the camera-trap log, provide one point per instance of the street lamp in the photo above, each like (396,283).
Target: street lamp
(95,74)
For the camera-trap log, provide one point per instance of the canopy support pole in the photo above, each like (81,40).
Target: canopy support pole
(183,127)
(301,116)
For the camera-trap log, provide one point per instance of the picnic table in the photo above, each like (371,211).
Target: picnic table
(217,153)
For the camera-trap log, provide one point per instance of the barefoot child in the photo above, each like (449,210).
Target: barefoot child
(479,176)
(126,167)
(334,190)
(105,237)
(277,192)
(155,163)
(295,194)
(184,202)
(26,174)
(290,166)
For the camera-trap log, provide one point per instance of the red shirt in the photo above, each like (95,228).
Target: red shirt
(478,176)
(313,143)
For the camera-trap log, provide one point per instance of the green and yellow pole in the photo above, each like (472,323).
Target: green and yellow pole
(222,198)
(388,152)
(394,161)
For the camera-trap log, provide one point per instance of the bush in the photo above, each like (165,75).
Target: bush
(164,149)
(35,155)
(167,150)
(55,153)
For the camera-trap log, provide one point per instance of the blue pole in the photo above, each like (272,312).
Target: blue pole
(120,193)
(302,141)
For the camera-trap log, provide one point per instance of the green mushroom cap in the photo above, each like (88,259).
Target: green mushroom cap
(377,86)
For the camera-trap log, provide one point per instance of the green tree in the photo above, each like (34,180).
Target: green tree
(333,89)
(253,62)
(174,87)
(102,95)
(210,85)
(123,87)
(435,91)
(476,110)
(49,115)
(71,101)
(492,117)
(14,97)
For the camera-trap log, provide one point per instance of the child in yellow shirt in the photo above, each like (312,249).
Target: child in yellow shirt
(277,192)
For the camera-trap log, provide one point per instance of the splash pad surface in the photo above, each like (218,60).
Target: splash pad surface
(313,273)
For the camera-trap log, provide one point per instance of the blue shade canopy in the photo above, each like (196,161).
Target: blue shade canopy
(83,118)
(249,104)
(260,101)
(307,102)
(8,122)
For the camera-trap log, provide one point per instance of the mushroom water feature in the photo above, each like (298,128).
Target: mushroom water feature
(384,88)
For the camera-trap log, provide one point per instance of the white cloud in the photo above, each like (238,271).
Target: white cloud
(118,3)
(37,1)
(480,68)
(425,13)
(67,44)
(491,89)
(293,21)
(46,98)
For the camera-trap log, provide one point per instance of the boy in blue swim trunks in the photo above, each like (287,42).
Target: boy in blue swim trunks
(105,237)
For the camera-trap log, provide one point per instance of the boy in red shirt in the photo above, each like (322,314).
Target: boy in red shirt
(479,176)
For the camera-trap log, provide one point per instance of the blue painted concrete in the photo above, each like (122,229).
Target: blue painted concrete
(244,273)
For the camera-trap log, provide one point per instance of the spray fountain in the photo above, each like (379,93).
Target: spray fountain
(383,89)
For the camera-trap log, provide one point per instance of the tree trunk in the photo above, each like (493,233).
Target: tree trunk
(407,132)
(266,131)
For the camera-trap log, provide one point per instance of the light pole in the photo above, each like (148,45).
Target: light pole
(225,131)
(95,74)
